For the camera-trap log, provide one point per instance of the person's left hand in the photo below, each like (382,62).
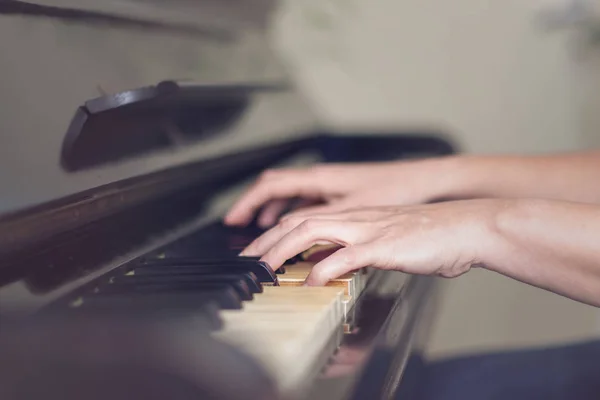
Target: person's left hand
(444,239)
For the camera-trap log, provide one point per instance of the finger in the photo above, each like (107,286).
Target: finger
(311,211)
(339,210)
(264,242)
(348,214)
(271,212)
(310,233)
(296,204)
(337,207)
(301,203)
(272,185)
(319,253)
(341,262)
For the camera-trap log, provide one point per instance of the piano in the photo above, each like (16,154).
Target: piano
(129,127)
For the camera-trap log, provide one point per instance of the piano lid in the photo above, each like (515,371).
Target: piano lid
(218,18)
(62,58)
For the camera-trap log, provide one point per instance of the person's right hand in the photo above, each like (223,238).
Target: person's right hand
(337,187)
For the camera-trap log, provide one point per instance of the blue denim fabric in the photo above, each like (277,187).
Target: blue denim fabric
(570,372)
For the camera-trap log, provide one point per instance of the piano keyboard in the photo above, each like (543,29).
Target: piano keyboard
(286,329)
(285,326)
(295,275)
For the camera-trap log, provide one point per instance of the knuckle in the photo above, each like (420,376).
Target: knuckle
(348,256)
(291,222)
(311,225)
(307,225)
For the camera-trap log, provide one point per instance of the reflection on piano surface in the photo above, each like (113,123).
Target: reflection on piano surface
(119,281)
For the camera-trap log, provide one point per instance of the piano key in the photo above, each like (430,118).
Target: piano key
(202,260)
(286,329)
(149,270)
(261,269)
(265,278)
(210,259)
(174,278)
(297,274)
(216,239)
(240,286)
(227,296)
(318,253)
(201,308)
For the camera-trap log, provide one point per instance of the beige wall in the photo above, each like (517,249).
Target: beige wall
(483,69)
(490,75)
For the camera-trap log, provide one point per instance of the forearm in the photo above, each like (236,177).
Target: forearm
(549,244)
(569,177)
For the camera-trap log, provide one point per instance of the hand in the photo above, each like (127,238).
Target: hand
(340,187)
(444,239)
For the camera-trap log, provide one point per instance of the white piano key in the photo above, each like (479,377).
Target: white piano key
(286,329)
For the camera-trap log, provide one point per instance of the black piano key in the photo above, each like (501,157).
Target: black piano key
(242,261)
(225,297)
(261,269)
(202,308)
(210,253)
(175,278)
(214,241)
(280,271)
(140,287)
(159,271)
(199,251)
(206,259)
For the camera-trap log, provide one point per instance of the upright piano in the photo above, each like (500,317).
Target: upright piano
(128,129)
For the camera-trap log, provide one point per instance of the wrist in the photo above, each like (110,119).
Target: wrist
(451,178)
(504,221)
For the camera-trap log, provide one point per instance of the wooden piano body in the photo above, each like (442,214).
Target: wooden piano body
(129,128)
